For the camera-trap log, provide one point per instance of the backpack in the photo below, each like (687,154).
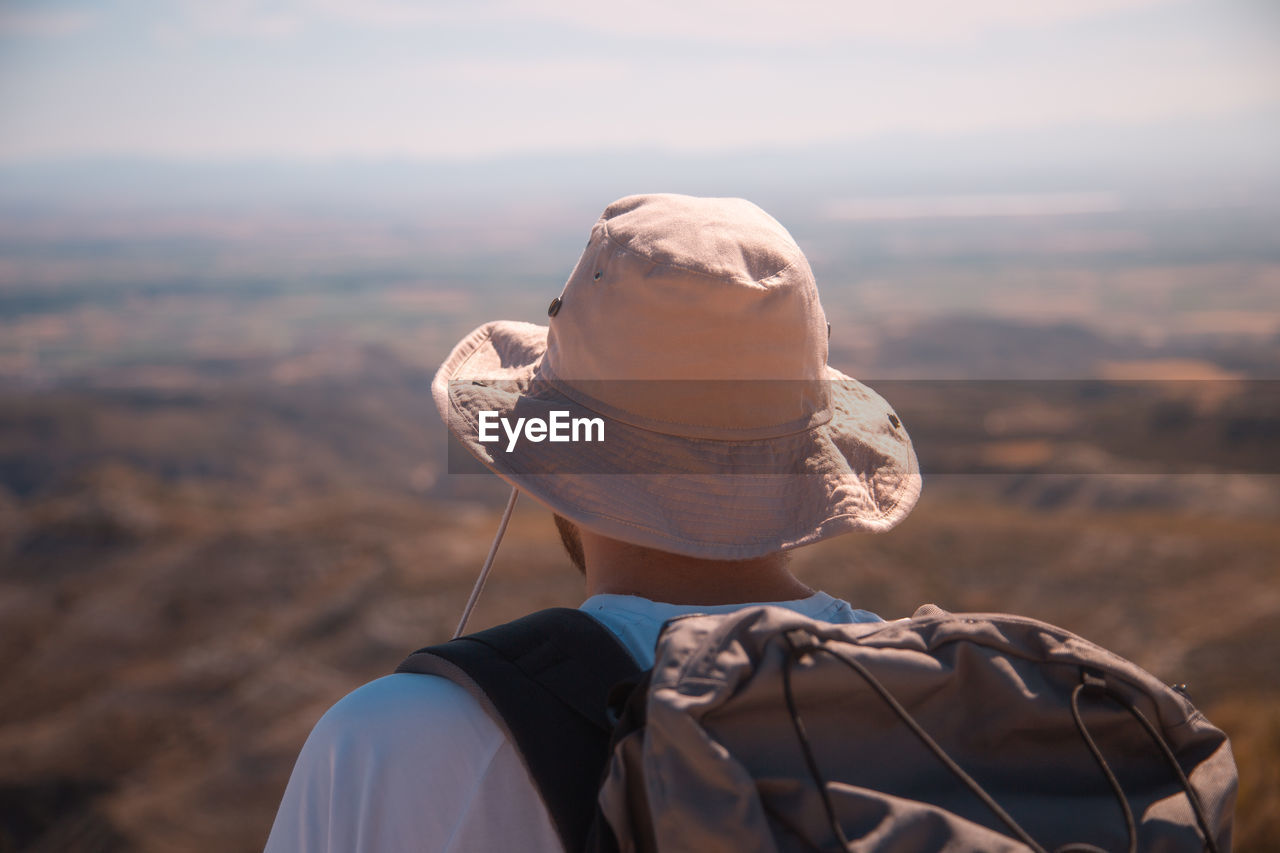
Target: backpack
(764,730)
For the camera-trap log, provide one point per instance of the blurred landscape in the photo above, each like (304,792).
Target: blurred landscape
(224,496)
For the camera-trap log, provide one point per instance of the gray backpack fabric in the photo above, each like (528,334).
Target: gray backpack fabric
(763,730)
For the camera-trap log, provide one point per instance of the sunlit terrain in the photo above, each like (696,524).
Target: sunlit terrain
(225,500)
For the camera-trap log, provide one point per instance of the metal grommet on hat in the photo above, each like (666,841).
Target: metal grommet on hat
(597,275)
(554,308)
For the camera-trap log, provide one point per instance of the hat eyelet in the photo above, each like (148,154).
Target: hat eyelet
(893,419)
(596,277)
(554,308)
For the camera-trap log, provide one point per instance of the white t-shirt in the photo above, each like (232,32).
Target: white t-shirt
(413,763)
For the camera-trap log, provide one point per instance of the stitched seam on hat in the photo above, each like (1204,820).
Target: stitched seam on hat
(609,236)
(747,542)
(701,542)
(902,488)
(903,485)
(739,543)
(902,491)
(488,333)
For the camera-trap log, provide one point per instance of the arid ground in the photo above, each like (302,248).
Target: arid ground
(224,500)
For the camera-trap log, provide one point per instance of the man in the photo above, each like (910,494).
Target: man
(690,333)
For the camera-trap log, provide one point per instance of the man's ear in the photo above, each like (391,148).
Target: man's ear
(572,541)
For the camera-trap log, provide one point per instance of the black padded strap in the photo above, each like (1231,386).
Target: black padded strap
(548,676)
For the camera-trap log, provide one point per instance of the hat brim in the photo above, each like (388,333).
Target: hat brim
(715,499)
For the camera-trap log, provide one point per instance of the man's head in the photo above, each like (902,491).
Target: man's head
(691,333)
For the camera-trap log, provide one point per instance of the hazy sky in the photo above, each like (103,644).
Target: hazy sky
(377,78)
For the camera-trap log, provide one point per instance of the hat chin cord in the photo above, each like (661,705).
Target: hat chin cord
(488,564)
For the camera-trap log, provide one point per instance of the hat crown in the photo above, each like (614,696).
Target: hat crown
(672,287)
(727,238)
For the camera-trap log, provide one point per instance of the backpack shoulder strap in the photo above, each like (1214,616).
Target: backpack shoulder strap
(545,679)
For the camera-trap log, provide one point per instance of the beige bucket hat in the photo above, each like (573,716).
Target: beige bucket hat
(691,329)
